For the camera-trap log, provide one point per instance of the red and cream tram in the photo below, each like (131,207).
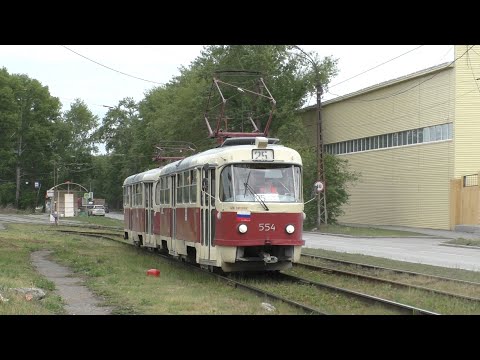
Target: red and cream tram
(237,207)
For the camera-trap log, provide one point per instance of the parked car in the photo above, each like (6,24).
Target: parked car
(97,210)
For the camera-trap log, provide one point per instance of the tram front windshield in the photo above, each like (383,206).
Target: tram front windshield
(268,182)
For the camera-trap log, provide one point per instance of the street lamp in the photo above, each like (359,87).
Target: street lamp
(320,184)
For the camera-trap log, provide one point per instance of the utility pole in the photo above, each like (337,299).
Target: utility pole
(322,197)
(18,165)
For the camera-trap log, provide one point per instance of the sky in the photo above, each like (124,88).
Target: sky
(69,75)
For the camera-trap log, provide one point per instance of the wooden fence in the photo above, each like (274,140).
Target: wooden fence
(465,201)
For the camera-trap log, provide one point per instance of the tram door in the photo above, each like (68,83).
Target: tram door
(207,205)
(149,237)
(172,249)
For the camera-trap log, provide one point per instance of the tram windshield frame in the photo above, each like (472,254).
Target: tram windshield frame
(272,183)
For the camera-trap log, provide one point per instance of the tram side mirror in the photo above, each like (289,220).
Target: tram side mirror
(205,184)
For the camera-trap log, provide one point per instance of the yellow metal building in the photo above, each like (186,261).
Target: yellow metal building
(415,141)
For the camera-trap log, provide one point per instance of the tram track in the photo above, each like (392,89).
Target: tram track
(403,308)
(398,271)
(398,284)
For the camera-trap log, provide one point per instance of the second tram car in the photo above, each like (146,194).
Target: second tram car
(238,207)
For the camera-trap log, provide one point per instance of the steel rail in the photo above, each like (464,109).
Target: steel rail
(391,269)
(386,281)
(365,297)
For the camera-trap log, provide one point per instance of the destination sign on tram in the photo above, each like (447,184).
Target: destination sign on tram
(262,154)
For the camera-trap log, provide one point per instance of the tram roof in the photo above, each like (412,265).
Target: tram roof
(213,156)
(149,175)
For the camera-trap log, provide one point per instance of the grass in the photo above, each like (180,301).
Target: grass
(324,300)
(16,271)
(118,272)
(366,231)
(96,220)
(462,241)
(418,298)
(115,272)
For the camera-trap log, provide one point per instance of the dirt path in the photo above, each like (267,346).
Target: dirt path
(79,300)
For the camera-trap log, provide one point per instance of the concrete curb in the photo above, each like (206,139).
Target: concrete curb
(375,237)
(462,246)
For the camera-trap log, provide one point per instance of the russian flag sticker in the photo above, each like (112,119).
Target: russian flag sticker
(243,216)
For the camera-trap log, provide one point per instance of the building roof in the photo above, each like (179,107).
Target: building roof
(411,76)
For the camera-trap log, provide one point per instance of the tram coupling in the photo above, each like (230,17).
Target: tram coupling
(267,258)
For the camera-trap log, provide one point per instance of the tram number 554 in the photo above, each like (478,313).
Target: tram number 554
(266,227)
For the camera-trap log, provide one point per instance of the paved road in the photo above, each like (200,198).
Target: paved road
(115,215)
(417,250)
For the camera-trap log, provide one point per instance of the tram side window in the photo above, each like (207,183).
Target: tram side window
(125,196)
(162,191)
(298,183)
(186,187)
(167,190)
(158,193)
(226,186)
(179,188)
(138,195)
(213,188)
(148,194)
(193,186)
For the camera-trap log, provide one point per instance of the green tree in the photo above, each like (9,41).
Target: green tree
(76,137)
(29,114)
(128,152)
(338,176)
(175,111)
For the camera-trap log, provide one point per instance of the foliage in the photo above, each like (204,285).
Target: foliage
(27,134)
(63,144)
(38,143)
(175,112)
(338,177)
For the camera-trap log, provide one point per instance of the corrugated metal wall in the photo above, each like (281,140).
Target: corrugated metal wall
(428,102)
(467,110)
(406,186)
(409,186)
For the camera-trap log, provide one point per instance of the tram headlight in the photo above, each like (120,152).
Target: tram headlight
(290,229)
(242,228)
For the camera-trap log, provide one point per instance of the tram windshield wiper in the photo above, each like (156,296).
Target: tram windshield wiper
(246,182)
(256,196)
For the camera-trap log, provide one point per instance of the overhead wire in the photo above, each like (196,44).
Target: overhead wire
(118,71)
(376,66)
(473,74)
(420,83)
